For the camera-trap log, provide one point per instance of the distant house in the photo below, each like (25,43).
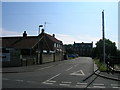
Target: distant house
(81,49)
(27,50)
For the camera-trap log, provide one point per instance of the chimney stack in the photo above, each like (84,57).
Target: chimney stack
(24,34)
(42,31)
(53,35)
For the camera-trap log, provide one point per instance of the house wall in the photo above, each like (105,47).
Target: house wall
(14,59)
(28,60)
(47,58)
(58,57)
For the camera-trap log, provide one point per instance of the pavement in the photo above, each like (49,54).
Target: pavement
(109,75)
(113,76)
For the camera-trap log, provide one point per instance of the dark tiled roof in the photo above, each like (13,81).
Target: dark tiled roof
(9,41)
(25,42)
(19,42)
(53,39)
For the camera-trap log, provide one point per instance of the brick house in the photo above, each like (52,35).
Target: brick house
(83,49)
(79,49)
(28,50)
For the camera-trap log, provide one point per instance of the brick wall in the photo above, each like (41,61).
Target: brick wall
(17,60)
(47,58)
(58,57)
(28,60)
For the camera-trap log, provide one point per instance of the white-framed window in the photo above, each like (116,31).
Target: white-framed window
(54,44)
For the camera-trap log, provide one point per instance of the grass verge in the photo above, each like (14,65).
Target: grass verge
(100,65)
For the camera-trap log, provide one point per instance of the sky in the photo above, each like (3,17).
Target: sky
(69,21)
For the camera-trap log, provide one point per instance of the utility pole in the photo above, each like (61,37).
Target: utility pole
(103,36)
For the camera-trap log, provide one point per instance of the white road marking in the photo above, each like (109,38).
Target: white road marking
(69,68)
(99,86)
(115,87)
(19,80)
(78,73)
(53,77)
(89,87)
(96,84)
(76,65)
(46,67)
(50,81)
(47,83)
(30,82)
(82,83)
(64,84)
(5,79)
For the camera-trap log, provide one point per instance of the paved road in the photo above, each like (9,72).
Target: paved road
(62,74)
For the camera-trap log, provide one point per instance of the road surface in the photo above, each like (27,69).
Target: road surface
(62,74)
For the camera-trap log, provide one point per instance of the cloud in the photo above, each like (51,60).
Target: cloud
(69,39)
(4,32)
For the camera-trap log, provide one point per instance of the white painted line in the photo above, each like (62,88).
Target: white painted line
(76,65)
(89,87)
(51,81)
(30,82)
(82,83)
(82,72)
(99,86)
(115,87)
(64,84)
(69,68)
(96,84)
(19,80)
(46,67)
(78,73)
(53,77)
(47,83)
(5,79)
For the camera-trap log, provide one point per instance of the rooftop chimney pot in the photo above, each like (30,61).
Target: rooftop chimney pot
(24,34)
(53,35)
(43,30)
